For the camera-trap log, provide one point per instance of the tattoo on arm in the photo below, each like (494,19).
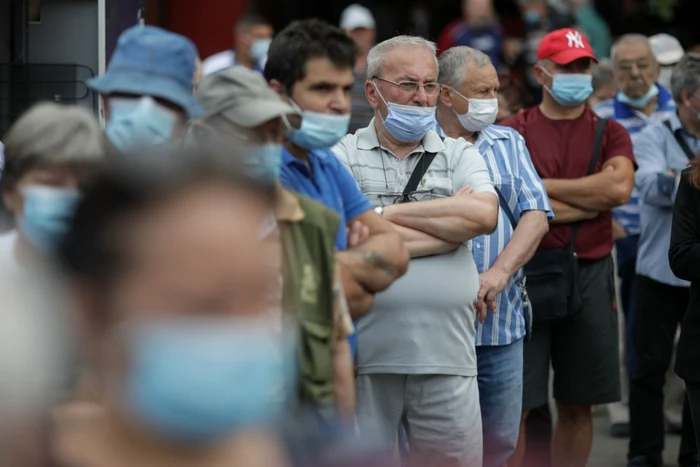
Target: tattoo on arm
(376,260)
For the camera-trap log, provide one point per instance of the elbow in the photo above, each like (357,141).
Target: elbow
(489,222)
(403,257)
(620,194)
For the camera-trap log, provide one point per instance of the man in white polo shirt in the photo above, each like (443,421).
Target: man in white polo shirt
(416,355)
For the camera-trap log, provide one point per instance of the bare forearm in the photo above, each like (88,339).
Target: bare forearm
(343,379)
(421,244)
(599,192)
(454,220)
(565,213)
(358,299)
(531,228)
(378,261)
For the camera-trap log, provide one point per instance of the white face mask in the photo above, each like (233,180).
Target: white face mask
(481,114)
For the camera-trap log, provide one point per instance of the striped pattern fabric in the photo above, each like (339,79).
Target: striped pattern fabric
(511,170)
(635,121)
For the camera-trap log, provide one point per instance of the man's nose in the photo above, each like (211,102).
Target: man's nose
(421,97)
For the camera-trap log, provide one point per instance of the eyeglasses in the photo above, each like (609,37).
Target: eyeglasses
(387,199)
(412,87)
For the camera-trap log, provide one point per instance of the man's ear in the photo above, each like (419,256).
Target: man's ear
(371,94)
(276,86)
(446,96)
(539,74)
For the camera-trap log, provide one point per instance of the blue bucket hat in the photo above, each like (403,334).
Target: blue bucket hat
(149,61)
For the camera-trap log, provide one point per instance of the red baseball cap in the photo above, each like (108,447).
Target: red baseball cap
(563,46)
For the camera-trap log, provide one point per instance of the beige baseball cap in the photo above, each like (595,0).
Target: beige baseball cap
(243,97)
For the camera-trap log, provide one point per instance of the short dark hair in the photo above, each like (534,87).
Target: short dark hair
(93,248)
(250,20)
(301,41)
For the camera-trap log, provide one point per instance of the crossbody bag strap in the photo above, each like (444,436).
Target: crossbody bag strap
(680,140)
(505,208)
(421,168)
(597,143)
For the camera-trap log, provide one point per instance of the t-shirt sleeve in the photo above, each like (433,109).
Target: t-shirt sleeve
(618,143)
(471,170)
(355,202)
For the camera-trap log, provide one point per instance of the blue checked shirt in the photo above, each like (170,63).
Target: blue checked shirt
(635,121)
(657,152)
(511,169)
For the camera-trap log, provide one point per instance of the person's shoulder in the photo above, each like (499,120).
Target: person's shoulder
(218,61)
(522,118)
(317,213)
(503,132)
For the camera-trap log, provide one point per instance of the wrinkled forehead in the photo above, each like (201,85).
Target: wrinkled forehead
(409,63)
(631,51)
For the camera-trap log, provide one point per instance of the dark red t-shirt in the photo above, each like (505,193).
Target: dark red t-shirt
(563,149)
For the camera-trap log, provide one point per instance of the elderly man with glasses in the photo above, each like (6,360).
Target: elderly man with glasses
(416,354)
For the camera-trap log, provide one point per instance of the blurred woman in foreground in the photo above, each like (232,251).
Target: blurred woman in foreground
(170,279)
(684,258)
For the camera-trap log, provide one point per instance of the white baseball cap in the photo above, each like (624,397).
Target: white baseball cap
(357,17)
(666,49)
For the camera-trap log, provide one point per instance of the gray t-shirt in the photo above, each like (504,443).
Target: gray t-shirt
(424,322)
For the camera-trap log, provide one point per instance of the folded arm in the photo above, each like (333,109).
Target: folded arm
(380,259)
(421,244)
(567,214)
(454,220)
(609,188)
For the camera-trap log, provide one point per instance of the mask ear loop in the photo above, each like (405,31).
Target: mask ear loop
(383,100)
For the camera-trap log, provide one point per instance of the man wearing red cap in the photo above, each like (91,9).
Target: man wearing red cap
(587,167)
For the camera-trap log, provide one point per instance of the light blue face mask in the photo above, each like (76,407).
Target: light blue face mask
(200,380)
(570,89)
(638,102)
(139,123)
(407,123)
(264,162)
(318,131)
(258,51)
(46,215)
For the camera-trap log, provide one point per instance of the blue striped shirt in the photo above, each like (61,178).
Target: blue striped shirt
(511,169)
(657,152)
(635,121)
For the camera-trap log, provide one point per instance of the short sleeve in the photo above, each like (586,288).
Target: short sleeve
(341,151)
(617,143)
(532,196)
(470,169)
(355,202)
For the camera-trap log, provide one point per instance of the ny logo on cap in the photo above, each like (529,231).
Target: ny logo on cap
(575,39)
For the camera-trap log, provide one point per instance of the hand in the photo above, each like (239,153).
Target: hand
(359,300)
(618,231)
(357,233)
(491,283)
(467,190)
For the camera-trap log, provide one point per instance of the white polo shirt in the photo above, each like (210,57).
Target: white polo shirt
(424,322)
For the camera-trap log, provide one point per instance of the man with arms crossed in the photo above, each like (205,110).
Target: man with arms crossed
(583,344)
(416,358)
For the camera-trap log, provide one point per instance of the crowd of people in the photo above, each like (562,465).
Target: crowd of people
(321,251)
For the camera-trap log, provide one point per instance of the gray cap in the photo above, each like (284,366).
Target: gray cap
(243,97)
(666,49)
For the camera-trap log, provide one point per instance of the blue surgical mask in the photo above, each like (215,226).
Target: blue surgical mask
(638,102)
(318,131)
(258,51)
(139,122)
(46,214)
(407,123)
(201,380)
(570,89)
(264,162)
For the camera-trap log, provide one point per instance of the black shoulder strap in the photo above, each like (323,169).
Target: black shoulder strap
(421,168)
(505,208)
(597,144)
(680,140)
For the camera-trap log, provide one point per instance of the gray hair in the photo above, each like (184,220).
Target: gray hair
(454,61)
(686,75)
(602,73)
(631,39)
(52,134)
(377,55)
